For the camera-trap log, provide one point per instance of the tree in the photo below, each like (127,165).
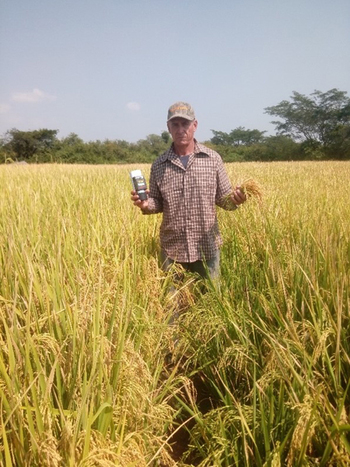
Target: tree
(322,119)
(72,140)
(238,137)
(281,148)
(27,144)
(165,137)
(153,145)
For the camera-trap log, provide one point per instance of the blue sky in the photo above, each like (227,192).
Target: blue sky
(109,69)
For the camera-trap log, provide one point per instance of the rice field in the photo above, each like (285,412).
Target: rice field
(254,373)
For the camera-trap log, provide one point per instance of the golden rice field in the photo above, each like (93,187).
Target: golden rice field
(260,368)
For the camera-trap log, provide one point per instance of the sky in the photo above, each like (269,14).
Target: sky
(109,69)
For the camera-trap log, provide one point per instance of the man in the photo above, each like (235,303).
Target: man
(186,184)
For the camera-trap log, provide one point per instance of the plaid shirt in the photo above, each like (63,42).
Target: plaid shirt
(187,199)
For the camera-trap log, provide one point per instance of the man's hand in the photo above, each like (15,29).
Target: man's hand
(143,205)
(238,196)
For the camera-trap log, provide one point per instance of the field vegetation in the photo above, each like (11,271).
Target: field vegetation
(255,373)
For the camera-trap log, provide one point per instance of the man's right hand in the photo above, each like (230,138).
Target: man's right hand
(143,205)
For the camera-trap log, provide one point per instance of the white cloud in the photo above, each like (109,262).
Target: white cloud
(32,96)
(4,108)
(134,106)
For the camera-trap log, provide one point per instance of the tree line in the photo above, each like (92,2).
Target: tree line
(315,127)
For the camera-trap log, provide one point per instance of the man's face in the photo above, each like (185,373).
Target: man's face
(182,130)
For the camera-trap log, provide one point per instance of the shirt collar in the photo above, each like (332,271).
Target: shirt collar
(171,155)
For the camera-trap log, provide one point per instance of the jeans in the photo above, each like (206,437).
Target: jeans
(207,269)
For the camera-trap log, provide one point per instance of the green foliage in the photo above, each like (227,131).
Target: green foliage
(43,146)
(238,137)
(153,146)
(322,118)
(273,148)
(30,145)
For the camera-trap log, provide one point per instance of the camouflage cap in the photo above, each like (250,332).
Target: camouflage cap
(182,110)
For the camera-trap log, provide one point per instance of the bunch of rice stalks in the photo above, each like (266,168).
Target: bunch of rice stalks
(251,189)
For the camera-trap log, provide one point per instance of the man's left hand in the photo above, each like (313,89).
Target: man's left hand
(238,196)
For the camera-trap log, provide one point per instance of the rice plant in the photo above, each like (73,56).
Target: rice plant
(260,371)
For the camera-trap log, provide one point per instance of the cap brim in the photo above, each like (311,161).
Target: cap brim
(185,117)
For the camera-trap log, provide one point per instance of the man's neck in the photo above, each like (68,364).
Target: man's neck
(184,150)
